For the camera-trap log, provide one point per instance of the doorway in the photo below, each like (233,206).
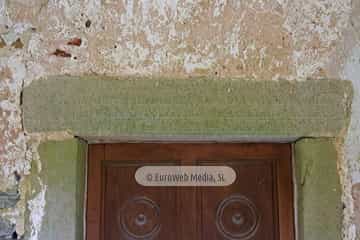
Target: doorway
(257,206)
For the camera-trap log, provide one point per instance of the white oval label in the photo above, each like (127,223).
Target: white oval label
(185,176)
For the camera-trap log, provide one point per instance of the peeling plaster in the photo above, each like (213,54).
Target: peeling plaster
(197,62)
(219,7)
(315,27)
(15,32)
(13,140)
(37,211)
(351,71)
(268,39)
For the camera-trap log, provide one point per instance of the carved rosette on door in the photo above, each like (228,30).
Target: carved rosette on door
(237,218)
(139,218)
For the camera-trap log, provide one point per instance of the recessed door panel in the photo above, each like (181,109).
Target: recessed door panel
(135,212)
(244,210)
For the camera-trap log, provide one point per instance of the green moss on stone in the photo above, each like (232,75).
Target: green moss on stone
(319,190)
(99,106)
(63,173)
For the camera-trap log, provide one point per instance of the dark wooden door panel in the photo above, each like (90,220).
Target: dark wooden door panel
(121,209)
(244,210)
(136,212)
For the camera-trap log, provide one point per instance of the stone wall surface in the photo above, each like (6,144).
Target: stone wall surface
(64,178)
(265,40)
(319,204)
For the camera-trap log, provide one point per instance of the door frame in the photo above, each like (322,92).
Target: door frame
(312,114)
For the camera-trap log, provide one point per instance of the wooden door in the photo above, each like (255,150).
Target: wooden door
(257,206)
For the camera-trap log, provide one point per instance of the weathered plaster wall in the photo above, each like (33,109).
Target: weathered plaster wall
(262,39)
